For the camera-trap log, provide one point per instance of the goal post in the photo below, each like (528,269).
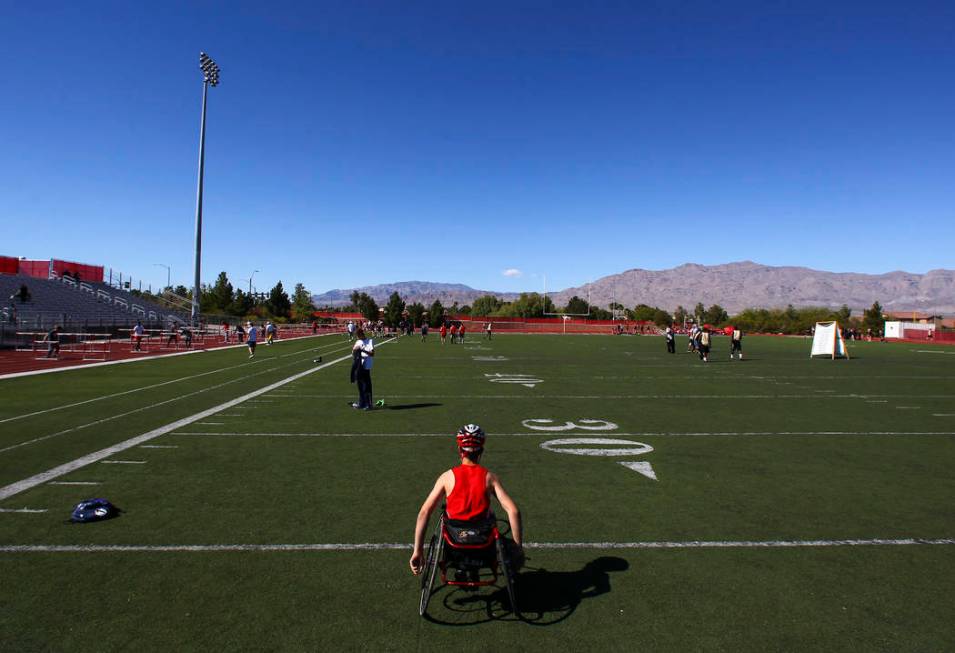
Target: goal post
(827,341)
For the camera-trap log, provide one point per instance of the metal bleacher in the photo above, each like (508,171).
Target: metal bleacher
(66,301)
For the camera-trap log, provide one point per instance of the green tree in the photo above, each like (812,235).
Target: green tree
(698,311)
(302,306)
(842,315)
(416,313)
(873,319)
(577,306)
(485,305)
(367,306)
(715,315)
(393,309)
(278,303)
(241,304)
(528,304)
(436,313)
(679,315)
(182,291)
(221,295)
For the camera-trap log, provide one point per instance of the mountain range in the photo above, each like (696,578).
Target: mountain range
(734,286)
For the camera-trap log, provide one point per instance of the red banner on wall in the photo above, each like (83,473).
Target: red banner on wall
(9,265)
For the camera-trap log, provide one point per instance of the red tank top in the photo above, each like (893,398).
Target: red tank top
(469,499)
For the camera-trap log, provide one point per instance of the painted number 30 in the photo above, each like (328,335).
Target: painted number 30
(583,425)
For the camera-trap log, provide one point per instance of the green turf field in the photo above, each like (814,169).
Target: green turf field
(753,461)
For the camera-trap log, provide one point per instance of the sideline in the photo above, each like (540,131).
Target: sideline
(148,387)
(150,407)
(390,546)
(14,375)
(44,477)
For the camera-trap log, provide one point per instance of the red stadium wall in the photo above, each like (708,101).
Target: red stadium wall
(38,269)
(85,272)
(9,265)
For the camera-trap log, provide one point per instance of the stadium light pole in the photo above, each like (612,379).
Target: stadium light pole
(168,273)
(250,279)
(210,77)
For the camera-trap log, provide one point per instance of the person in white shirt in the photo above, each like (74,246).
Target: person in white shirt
(364,357)
(350,328)
(253,334)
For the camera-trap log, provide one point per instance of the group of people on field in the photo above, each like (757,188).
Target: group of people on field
(701,341)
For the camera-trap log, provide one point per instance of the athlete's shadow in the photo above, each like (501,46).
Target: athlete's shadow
(547,597)
(411,406)
(544,597)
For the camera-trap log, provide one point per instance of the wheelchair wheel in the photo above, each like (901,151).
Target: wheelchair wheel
(430,570)
(507,569)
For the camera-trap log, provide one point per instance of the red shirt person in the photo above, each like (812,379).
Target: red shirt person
(468,489)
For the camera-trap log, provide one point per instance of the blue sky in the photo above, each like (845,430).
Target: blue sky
(356,143)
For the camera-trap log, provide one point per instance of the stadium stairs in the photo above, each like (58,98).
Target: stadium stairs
(76,305)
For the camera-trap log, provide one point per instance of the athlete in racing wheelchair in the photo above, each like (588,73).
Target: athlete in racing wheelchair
(467,539)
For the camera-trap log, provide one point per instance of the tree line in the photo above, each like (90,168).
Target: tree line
(222,299)
(534,305)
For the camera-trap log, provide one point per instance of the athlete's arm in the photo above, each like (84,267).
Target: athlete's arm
(513,513)
(424,515)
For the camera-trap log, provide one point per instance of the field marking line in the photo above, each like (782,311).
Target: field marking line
(122,462)
(943,414)
(74,483)
(23,510)
(44,477)
(134,390)
(537,397)
(144,408)
(547,435)
(159,446)
(401,546)
(14,375)
(210,423)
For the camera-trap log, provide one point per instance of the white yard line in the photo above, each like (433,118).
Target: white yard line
(74,483)
(23,510)
(149,407)
(56,472)
(535,397)
(159,446)
(404,546)
(146,387)
(546,435)
(14,375)
(122,462)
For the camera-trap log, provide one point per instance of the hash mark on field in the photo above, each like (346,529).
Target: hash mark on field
(403,546)
(123,462)
(943,414)
(159,446)
(877,401)
(74,483)
(211,423)
(908,407)
(23,510)
(43,477)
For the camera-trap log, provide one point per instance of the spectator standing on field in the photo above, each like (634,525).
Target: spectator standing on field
(487,330)
(364,351)
(736,342)
(239,333)
(703,345)
(269,333)
(253,335)
(350,328)
(671,340)
(424,331)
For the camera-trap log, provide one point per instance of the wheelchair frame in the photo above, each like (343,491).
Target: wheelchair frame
(437,558)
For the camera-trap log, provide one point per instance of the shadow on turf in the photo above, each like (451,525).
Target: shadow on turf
(411,406)
(544,597)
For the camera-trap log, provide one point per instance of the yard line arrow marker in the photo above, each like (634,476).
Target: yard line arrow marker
(642,468)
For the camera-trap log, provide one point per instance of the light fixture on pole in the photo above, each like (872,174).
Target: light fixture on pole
(210,77)
(250,280)
(168,273)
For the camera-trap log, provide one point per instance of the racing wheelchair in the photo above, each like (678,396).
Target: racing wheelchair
(461,550)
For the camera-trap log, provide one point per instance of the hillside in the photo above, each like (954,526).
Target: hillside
(734,286)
